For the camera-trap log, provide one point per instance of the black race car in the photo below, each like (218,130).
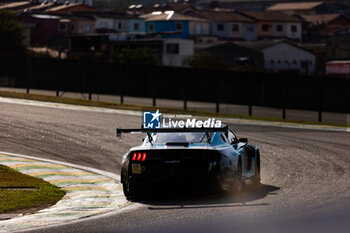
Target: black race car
(205,156)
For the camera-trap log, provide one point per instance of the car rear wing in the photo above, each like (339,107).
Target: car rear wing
(119,130)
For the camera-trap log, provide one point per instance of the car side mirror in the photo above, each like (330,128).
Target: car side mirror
(244,140)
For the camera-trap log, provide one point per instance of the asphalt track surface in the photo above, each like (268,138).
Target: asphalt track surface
(305,175)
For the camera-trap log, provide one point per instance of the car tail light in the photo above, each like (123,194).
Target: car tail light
(133,156)
(139,156)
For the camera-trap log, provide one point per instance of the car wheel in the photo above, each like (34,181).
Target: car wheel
(237,185)
(256,179)
(130,191)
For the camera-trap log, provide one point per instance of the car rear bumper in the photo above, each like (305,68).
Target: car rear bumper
(194,180)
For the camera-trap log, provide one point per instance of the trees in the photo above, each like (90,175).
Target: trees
(11,34)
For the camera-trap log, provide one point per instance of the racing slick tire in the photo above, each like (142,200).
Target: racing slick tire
(130,191)
(237,185)
(256,179)
(234,186)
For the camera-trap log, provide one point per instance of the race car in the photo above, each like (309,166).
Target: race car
(210,157)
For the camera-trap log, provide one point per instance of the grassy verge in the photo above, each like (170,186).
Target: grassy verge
(94,103)
(20,193)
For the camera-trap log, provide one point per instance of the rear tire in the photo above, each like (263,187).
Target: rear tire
(238,183)
(256,179)
(130,191)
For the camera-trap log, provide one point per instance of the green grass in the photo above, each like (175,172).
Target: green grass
(20,193)
(102,104)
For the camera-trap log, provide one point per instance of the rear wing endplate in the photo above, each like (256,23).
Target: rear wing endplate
(119,130)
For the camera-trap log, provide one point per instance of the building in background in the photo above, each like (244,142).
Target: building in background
(299,8)
(338,67)
(119,22)
(82,24)
(69,8)
(227,24)
(175,51)
(319,28)
(276,25)
(48,30)
(283,55)
(170,24)
(325,19)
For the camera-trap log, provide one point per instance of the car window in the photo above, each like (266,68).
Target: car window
(223,138)
(231,137)
(190,137)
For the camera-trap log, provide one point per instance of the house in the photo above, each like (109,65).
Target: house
(81,24)
(169,24)
(326,19)
(338,67)
(338,42)
(176,50)
(283,55)
(47,30)
(272,25)
(299,8)
(69,8)
(119,22)
(320,51)
(228,24)
(320,27)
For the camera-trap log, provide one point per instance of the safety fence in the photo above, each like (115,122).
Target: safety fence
(276,90)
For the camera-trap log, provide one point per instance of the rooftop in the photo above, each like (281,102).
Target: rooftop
(67,6)
(259,45)
(270,16)
(332,30)
(338,62)
(262,45)
(15,5)
(42,6)
(220,15)
(39,16)
(321,18)
(170,15)
(294,6)
(115,15)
